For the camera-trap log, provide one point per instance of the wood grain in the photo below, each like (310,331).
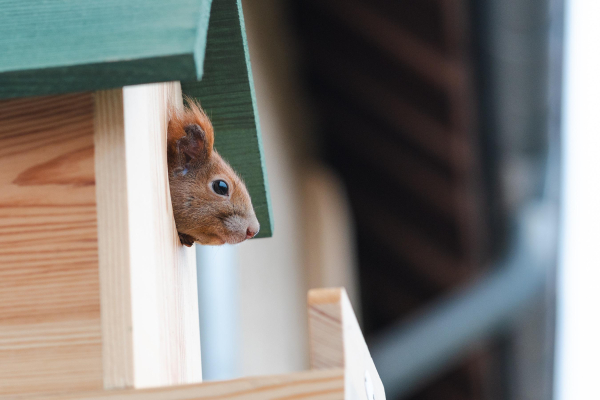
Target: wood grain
(226,92)
(336,341)
(70,45)
(113,239)
(50,336)
(314,385)
(150,325)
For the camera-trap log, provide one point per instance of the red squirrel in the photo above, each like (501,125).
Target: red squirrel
(211,204)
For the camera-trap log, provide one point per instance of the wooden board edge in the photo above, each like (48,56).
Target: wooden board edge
(201,36)
(164,292)
(325,329)
(322,385)
(362,378)
(97,76)
(149,299)
(261,152)
(336,341)
(113,239)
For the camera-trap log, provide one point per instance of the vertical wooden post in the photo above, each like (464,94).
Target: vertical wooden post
(149,301)
(113,239)
(336,341)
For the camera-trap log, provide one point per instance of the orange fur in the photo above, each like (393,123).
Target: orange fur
(191,114)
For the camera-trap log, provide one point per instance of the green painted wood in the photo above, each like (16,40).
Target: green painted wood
(226,92)
(49,47)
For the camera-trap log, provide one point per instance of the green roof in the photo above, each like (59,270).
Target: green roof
(63,46)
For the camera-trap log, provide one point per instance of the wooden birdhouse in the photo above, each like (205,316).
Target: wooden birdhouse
(98,298)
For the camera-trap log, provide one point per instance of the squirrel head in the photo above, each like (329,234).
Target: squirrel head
(211,204)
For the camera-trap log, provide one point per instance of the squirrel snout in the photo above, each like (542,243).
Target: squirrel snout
(251,233)
(252,229)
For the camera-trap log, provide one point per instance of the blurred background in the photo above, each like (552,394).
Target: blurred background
(415,156)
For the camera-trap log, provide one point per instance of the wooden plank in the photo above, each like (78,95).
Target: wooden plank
(226,92)
(336,341)
(314,385)
(72,45)
(150,327)
(113,239)
(50,336)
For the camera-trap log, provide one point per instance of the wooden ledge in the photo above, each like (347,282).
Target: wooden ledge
(321,385)
(342,367)
(318,297)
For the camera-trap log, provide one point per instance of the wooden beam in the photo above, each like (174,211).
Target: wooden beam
(227,94)
(317,385)
(336,341)
(71,45)
(148,280)
(113,224)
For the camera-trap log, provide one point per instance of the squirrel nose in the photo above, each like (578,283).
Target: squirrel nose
(250,233)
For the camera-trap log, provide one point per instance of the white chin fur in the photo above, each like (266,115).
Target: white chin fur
(236,229)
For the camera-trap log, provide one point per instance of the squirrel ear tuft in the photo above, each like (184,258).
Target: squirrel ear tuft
(199,117)
(194,147)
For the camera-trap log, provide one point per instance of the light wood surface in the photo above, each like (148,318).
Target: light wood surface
(149,292)
(314,385)
(336,341)
(113,239)
(50,337)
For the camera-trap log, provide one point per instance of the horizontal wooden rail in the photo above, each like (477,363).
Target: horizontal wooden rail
(341,362)
(318,385)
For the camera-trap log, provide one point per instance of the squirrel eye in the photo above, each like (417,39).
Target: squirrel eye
(220,187)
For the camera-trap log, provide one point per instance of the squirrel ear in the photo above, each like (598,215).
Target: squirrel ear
(194,146)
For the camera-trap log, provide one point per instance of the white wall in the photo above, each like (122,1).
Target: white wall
(272,280)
